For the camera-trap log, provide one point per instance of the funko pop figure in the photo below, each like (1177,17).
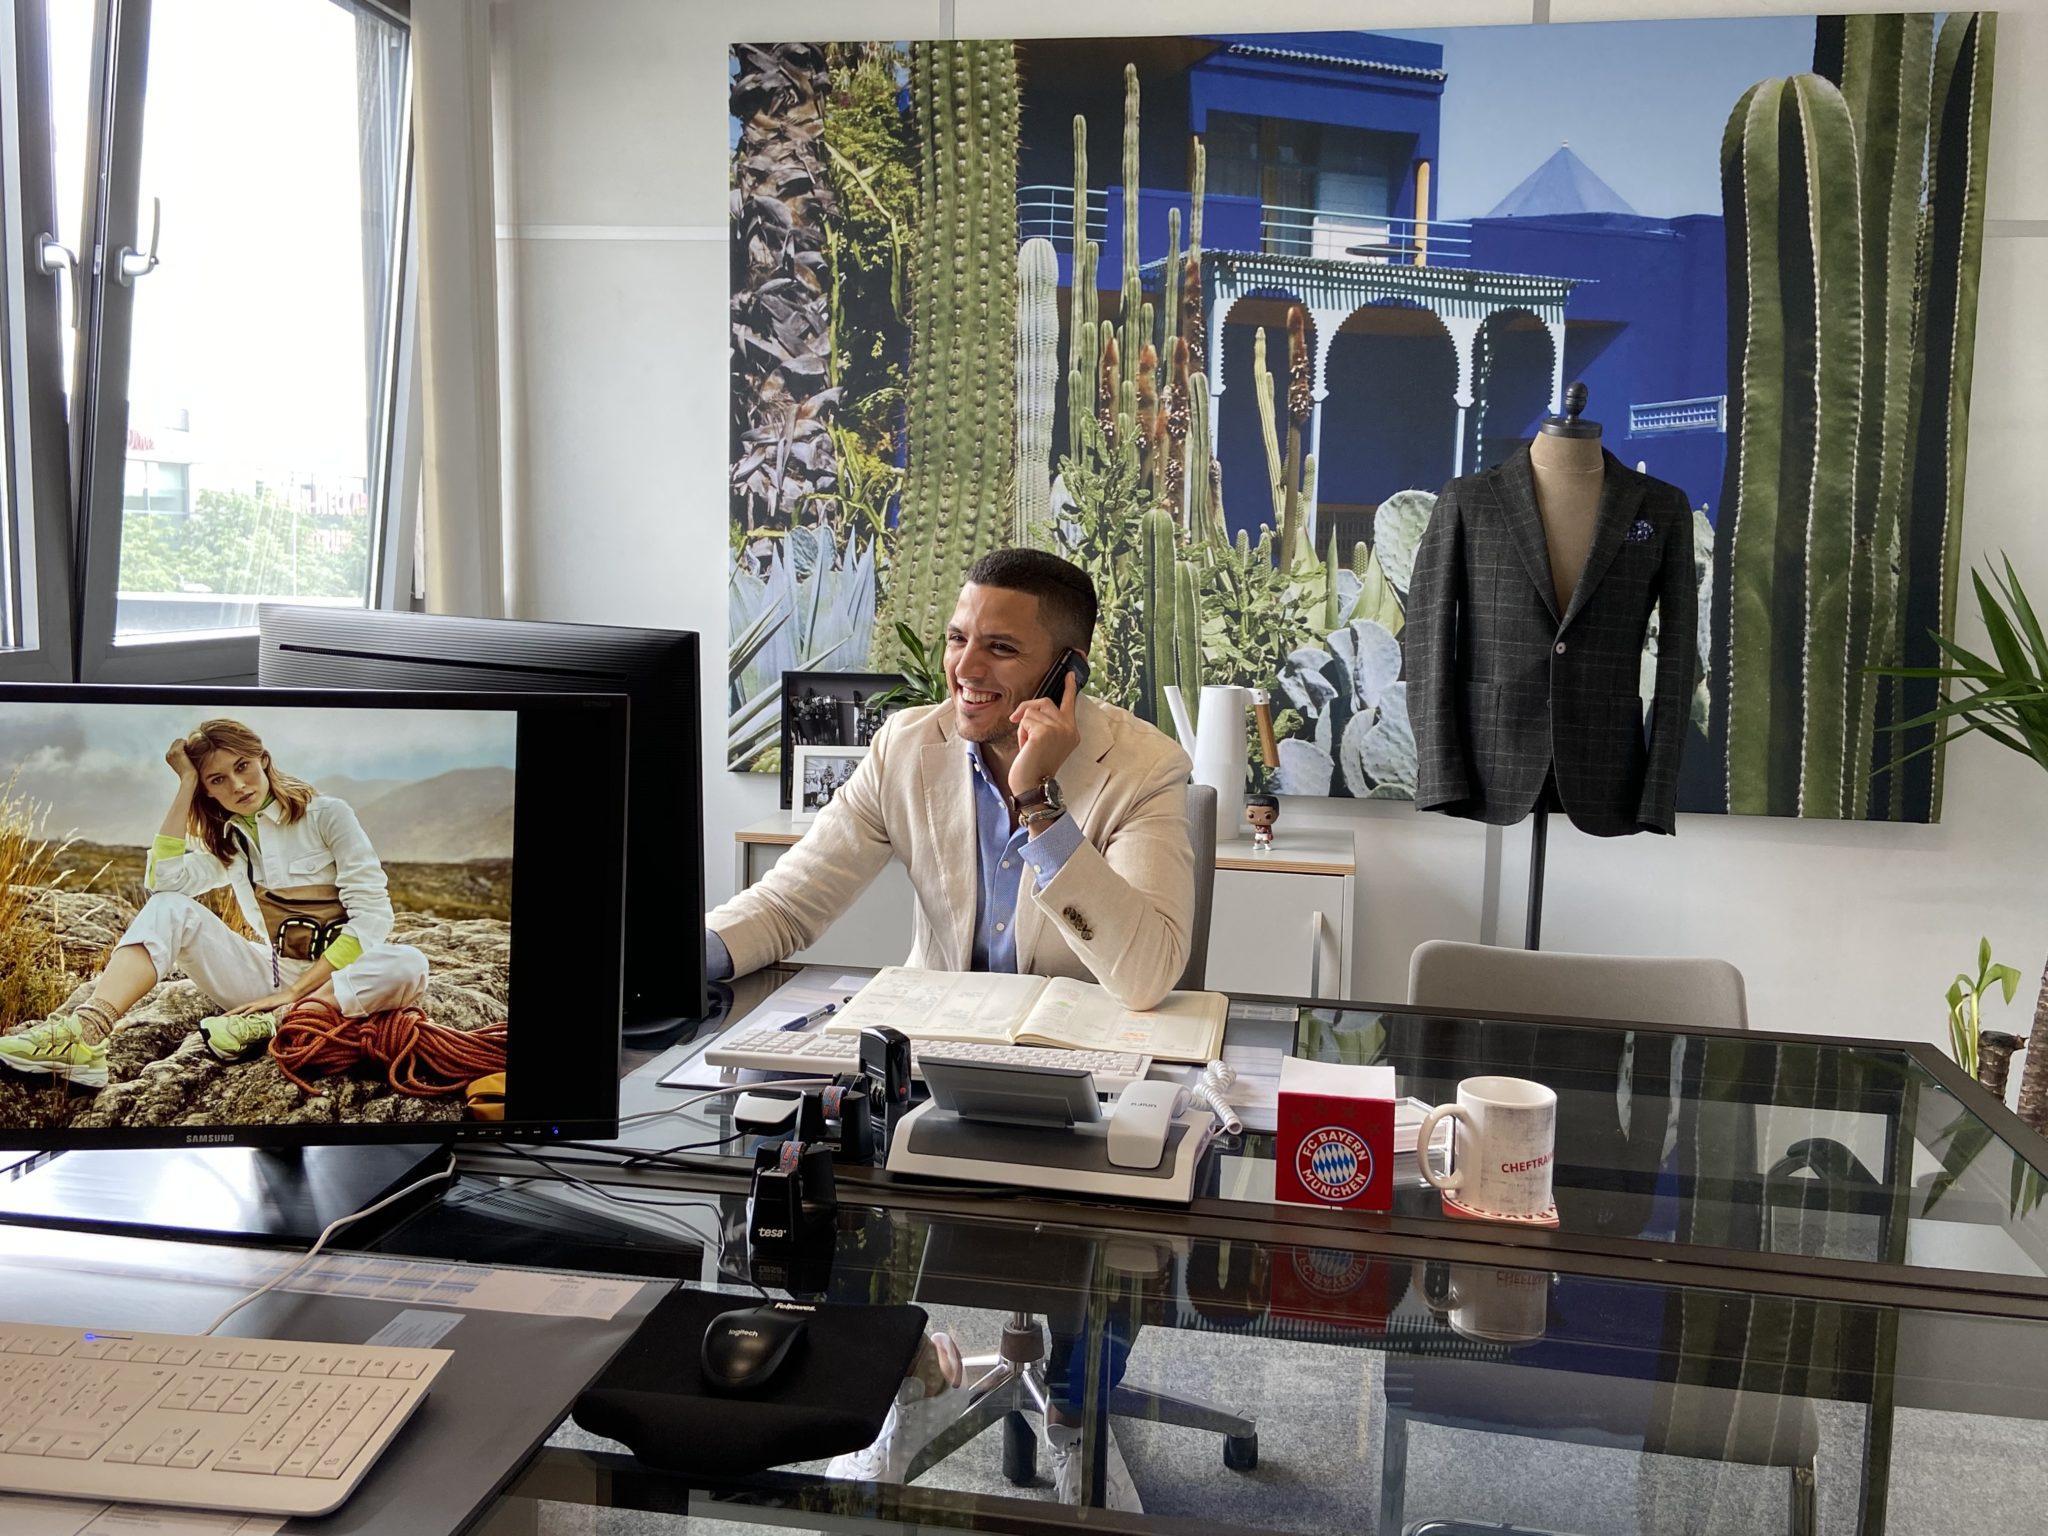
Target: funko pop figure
(1262,811)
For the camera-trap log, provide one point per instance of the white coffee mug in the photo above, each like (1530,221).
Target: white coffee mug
(1502,1148)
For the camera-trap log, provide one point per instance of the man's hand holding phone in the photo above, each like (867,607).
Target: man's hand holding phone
(1048,731)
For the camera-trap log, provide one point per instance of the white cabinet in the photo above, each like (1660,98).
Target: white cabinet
(1281,922)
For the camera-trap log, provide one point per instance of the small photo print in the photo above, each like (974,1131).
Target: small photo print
(820,773)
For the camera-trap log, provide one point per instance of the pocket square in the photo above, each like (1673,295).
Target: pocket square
(1640,531)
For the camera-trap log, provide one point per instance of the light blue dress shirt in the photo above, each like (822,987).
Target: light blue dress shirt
(1003,856)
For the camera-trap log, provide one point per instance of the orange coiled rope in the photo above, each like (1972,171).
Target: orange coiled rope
(421,1059)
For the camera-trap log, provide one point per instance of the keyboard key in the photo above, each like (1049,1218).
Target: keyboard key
(193,1455)
(279,1362)
(77,1447)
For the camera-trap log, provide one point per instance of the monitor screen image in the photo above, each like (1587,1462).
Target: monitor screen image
(268,916)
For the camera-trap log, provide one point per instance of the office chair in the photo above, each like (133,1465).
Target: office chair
(991,1267)
(1202,835)
(1647,989)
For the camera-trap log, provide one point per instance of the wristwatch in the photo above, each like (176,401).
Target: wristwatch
(1043,804)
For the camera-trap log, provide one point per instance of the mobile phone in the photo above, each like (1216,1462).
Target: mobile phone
(1054,686)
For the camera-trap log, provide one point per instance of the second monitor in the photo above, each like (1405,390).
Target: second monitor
(303,647)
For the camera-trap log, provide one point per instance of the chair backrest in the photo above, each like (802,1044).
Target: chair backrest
(1652,989)
(1202,837)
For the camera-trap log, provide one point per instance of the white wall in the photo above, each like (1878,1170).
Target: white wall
(612,227)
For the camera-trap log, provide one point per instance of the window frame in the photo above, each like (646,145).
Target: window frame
(80,467)
(36,455)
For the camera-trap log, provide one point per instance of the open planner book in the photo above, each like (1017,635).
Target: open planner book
(1033,1010)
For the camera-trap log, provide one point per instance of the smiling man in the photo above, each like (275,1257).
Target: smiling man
(1041,835)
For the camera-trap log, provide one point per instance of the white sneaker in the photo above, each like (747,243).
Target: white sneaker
(925,1406)
(1063,1446)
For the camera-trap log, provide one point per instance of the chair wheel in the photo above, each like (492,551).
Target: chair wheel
(1241,1452)
(1020,1450)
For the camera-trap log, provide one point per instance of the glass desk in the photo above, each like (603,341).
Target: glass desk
(1824,1161)
(1376,1393)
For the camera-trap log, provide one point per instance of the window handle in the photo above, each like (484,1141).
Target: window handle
(131,263)
(53,256)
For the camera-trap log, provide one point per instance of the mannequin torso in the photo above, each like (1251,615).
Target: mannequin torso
(1570,474)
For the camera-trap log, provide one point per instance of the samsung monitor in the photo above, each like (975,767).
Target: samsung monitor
(286,919)
(302,647)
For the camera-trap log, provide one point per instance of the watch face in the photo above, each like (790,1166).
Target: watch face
(1051,791)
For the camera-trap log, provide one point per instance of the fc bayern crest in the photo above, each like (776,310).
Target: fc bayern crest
(1333,1163)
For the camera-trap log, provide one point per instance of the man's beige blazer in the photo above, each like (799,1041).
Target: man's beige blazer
(1118,911)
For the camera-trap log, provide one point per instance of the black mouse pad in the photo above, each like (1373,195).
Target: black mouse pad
(830,1396)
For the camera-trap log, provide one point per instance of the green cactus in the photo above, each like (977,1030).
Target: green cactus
(957,501)
(1037,381)
(1855,214)
(1883,65)
(1795,458)
(1187,632)
(1204,509)
(1959,139)
(1158,552)
(1080,352)
(1836,412)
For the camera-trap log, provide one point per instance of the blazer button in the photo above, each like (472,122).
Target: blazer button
(1560,647)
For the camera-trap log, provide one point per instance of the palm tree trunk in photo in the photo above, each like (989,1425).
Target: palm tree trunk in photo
(2033,1106)
(781,305)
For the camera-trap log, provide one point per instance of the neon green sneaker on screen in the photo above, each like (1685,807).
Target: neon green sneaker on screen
(232,1036)
(56,1046)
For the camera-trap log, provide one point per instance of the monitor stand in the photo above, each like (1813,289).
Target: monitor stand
(659,1032)
(281,1196)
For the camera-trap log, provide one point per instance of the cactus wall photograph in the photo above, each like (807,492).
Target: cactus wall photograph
(1217,317)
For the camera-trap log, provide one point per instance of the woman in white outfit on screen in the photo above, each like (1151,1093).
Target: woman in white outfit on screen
(304,876)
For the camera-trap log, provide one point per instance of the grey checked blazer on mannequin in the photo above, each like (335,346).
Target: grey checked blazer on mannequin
(1502,687)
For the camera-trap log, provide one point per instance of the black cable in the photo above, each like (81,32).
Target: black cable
(662,1206)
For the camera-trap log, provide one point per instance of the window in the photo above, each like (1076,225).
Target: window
(1323,184)
(236,358)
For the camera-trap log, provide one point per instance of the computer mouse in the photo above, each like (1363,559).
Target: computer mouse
(743,1351)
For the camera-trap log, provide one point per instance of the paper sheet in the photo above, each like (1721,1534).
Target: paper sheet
(24,1514)
(416,1328)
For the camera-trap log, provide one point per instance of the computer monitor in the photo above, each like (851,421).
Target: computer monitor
(419,894)
(303,647)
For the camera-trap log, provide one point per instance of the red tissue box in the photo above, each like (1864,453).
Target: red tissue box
(1336,1141)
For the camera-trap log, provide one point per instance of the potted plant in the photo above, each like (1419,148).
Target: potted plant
(2006,699)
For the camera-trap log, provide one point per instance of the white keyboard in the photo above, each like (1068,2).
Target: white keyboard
(775,1050)
(264,1426)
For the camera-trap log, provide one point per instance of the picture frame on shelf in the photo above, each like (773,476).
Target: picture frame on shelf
(831,709)
(819,773)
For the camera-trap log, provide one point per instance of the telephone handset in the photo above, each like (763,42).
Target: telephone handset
(1054,686)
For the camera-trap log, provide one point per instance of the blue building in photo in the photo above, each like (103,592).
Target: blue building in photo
(1437,345)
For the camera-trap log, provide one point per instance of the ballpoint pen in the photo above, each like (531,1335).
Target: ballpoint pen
(806,1020)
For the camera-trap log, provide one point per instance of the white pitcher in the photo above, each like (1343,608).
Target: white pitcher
(1219,754)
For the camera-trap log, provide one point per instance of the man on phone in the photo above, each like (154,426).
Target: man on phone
(1044,831)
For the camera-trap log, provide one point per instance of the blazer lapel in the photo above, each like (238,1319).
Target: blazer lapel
(946,783)
(1514,488)
(1620,495)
